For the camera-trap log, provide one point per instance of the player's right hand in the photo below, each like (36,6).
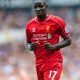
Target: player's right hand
(48,46)
(33,46)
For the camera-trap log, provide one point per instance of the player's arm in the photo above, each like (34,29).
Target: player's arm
(29,45)
(63,33)
(66,42)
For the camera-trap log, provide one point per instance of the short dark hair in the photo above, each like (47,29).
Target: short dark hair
(34,1)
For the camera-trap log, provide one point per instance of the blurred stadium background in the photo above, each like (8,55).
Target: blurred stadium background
(16,62)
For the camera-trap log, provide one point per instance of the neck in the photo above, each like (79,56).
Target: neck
(42,17)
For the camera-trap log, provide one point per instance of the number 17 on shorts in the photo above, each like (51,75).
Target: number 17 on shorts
(52,74)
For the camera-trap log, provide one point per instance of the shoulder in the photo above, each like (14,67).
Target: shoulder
(58,20)
(31,22)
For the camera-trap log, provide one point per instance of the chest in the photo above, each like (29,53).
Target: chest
(43,28)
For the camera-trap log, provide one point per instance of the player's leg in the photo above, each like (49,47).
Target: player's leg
(57,77)
(39,75)
(54,73)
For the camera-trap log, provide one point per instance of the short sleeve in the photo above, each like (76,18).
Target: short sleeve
(28,34)
(62,28)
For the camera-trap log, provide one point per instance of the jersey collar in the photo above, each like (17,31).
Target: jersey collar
(43,21)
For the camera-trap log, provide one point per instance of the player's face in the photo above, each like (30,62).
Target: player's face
(40,8)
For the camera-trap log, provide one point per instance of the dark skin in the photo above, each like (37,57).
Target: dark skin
(40,10)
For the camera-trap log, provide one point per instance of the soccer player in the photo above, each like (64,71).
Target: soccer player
(42,37)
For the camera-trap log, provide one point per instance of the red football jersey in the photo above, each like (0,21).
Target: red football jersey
(48,30)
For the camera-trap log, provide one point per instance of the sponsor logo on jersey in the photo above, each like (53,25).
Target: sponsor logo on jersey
(49,36)
(42,36)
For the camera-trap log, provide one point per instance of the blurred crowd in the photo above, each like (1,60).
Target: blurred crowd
(17,63)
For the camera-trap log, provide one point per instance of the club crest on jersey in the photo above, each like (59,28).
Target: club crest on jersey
(47,28)
(33,30)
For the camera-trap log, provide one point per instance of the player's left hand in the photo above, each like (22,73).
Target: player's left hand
(48,46)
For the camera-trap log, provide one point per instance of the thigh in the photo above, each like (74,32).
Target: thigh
(54,73)
(39,73)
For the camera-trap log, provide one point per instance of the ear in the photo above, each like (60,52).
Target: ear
(45,5)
